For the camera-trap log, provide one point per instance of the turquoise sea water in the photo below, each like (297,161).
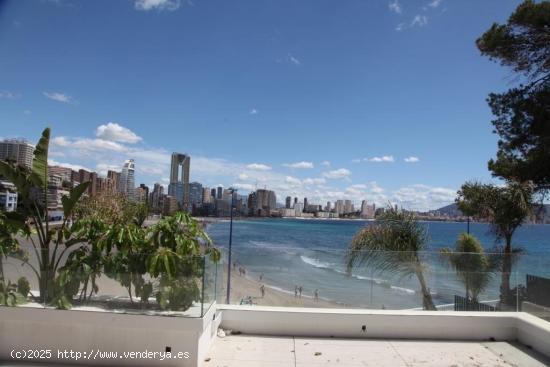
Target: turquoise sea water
(310,253)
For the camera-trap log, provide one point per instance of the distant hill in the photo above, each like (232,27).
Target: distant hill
(542,213)
(451,210)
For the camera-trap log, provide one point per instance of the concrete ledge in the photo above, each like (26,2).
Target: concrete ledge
(86,331)
(433,325)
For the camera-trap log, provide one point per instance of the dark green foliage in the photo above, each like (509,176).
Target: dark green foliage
(505,208)
(393,243)
(474,268)
(522,113)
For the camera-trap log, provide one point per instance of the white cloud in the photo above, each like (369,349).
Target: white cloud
(314,181)
(412,159)
(400,27)
(59,97)
(75,167)
(293,181)
(338,173)
(153,164)
(299,165)
(325,163)
(419,20)
(434,3)
(290,59)
(146,5)
(294,60)
(258,167)
(395,7)
(114,132)
(102,168)
(385,158)
(6,94)
(90,145)
(243,186)
(253,111)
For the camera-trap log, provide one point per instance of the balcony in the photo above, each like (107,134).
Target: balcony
(365,317)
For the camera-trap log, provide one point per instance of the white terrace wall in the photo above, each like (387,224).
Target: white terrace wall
(32,329)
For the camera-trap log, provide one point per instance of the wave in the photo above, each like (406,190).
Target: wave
(381,282)
(317,263)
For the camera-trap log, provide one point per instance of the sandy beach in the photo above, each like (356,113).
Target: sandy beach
(243,287)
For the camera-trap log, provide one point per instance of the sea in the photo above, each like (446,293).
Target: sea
(310,253)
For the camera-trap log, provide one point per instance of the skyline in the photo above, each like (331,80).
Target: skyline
(286,95)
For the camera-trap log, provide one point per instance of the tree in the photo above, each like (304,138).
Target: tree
(522,113)
(505,208)
(52,243)
(393,243)
(473,267)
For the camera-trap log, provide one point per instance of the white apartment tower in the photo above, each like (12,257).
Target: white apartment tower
(127,185)
(17,150)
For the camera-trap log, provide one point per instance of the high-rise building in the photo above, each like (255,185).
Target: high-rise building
(213,194)
(348,207)
(206,195)
(179,179)
(219,193)
(367,211)
(63,172)
(252,201)
(327,208)
(145,193)
(19,151)
(288,202)
(298,209)
(266,200)
(157,195)
(339,207)
(170,205)
(295,201)
(114,176)
(126,184)
(305,204)
(195,194)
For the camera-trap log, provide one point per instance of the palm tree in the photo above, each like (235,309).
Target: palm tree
(505,208)
(394,244)
(473,267)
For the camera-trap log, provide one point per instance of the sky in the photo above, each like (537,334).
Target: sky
(374,100)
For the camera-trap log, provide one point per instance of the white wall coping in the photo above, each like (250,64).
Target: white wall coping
(397,324)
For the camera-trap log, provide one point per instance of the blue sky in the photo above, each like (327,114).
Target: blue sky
(378,100)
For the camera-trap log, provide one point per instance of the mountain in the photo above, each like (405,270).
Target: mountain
(450,210)
(541,212)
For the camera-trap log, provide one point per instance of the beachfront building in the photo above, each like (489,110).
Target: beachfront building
(298,209)
(126,184)
(288,202)
(206,195)
(287,212)
(195,194)
(348,207)
(19,151)
(266,200)
(339,207)
(367,211)
(179,179)
(8,196)
(170,205)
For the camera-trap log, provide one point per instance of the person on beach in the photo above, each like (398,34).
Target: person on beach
(262,290)
(261,276)
(316,295)
(295,291)
(300,289)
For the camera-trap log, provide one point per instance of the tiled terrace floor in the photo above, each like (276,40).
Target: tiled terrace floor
(266,351)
